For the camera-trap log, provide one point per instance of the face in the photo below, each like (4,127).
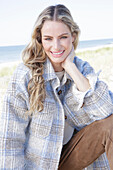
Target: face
(57,42)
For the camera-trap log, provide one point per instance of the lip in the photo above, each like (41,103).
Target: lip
(57,54)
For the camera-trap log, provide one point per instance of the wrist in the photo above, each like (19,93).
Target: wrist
(70,68)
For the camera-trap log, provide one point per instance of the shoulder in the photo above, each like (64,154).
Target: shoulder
(83,66)
(79,62)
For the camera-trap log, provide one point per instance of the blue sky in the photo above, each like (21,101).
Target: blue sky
(17,17)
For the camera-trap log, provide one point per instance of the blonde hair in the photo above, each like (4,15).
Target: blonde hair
(34,55)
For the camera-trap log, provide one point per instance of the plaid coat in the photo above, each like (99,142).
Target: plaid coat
(35,143)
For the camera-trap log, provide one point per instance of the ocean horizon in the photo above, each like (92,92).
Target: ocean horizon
(13,53)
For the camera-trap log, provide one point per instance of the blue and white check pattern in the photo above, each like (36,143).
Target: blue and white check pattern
(36,142)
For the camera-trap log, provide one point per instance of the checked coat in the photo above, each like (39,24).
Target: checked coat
(35,142)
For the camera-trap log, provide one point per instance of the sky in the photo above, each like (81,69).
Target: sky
(17,18)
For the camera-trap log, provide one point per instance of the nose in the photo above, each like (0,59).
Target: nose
(56,44)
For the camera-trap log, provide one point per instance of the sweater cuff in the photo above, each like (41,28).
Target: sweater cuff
(93,78)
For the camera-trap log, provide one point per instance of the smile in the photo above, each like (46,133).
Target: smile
(57,53)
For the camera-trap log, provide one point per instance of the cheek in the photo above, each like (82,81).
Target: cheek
(68,43)
(46,46)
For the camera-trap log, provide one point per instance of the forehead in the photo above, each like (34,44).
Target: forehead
(54,27)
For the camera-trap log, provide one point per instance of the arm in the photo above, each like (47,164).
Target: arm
(13,124)
(95,104)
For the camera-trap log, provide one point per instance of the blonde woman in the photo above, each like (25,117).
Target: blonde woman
(51,117)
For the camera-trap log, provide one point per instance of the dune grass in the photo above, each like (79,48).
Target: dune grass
(100,59)
(7,71)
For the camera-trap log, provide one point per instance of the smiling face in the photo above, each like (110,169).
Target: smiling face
(57,42)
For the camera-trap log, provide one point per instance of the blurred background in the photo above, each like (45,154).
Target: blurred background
(94,17)
(17,18)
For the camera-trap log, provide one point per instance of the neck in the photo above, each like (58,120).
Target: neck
(57,67)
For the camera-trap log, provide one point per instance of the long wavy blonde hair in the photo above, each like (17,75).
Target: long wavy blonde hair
(34,55)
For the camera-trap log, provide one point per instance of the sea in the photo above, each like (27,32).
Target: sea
(13,53)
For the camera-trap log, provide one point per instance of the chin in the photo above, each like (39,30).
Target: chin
(58,62)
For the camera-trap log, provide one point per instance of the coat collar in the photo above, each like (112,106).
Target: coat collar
(49,73)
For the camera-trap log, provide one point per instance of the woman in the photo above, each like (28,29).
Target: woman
(50,98)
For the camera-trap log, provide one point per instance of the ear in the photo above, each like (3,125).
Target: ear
(73,37)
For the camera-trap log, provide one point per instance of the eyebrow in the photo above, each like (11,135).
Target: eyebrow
(58,36)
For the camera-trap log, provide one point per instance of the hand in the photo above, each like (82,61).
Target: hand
(69,59)
(81,82)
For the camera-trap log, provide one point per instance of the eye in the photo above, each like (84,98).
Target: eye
(48,39)
(64,37)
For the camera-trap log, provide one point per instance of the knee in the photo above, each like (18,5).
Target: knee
(106,126)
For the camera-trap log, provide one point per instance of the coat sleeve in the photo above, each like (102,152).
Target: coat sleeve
(94,105)
(13,125)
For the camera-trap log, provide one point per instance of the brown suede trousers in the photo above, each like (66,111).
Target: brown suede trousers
(87,145)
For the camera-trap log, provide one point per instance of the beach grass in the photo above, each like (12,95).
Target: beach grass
(7,71)
(99,59)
